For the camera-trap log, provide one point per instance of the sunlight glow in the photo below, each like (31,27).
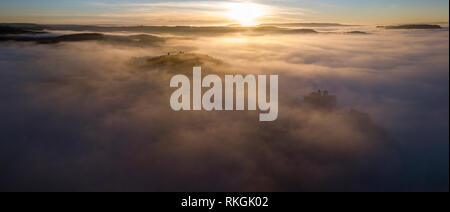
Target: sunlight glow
(245,13)
(236,40)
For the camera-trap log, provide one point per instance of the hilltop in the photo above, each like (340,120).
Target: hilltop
(412,26)
(179,62)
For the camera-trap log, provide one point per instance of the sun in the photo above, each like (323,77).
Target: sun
(245,13)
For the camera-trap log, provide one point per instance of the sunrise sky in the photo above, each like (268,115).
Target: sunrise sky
(177,12)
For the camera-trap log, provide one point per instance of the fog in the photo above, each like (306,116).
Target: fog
(95,115)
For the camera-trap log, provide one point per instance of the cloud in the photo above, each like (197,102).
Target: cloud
(95,117)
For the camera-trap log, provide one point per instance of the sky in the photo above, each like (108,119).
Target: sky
(191,12)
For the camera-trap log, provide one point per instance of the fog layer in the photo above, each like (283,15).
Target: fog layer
(95,115)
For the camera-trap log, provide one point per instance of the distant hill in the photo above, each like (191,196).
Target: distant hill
(305,24)
(273,29)
(133,40)
(174,30)
(26,26)
(412,26)
(71,38)
(358,33)
(9,30)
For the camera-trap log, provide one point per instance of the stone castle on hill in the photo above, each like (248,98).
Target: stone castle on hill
(321,100)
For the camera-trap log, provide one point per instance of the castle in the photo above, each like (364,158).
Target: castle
(321,100)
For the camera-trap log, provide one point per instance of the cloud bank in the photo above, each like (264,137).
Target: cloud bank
(90,116)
